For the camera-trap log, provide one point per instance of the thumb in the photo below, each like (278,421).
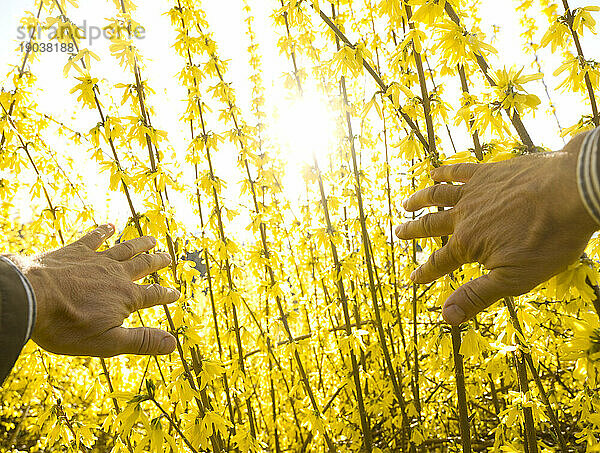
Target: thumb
(473,297)
(143,341)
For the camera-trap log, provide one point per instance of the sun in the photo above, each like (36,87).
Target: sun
(303,129)
(305,126)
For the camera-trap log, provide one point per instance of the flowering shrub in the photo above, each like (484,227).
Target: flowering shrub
(298,328)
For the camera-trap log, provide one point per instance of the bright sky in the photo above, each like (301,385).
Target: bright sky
(298,122)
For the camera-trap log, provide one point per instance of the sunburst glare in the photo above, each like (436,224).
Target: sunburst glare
(303,128)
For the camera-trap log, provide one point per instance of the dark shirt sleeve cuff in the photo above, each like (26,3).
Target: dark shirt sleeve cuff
(17,314)
(588,173)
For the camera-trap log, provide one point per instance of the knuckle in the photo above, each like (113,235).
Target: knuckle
(102,268)
(473,298)
(433,193)
(128,247)
(453,170)
(433,260)
(146,260)
(459,209)
(82,245)
(454,255)
(513,281)
(459,246)
(458,192)
(133,297)
(114,267)
(108,264)
(427,224)
(482,172)
(144,341)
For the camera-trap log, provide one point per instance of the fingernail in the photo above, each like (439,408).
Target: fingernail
(166,255)
(404,202)
(152,240)
(105,230)
(174,292)
(453,314)
(413,274)
(167,345)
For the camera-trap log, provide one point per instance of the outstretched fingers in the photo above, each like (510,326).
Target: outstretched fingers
(473,297)
(430,225)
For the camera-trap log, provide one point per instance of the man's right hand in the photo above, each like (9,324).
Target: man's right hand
(522,218)
(83,296)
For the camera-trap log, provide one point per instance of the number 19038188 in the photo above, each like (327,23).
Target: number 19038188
(46,47)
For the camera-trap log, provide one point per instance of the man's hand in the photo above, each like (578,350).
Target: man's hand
(523,219)
(83,296)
